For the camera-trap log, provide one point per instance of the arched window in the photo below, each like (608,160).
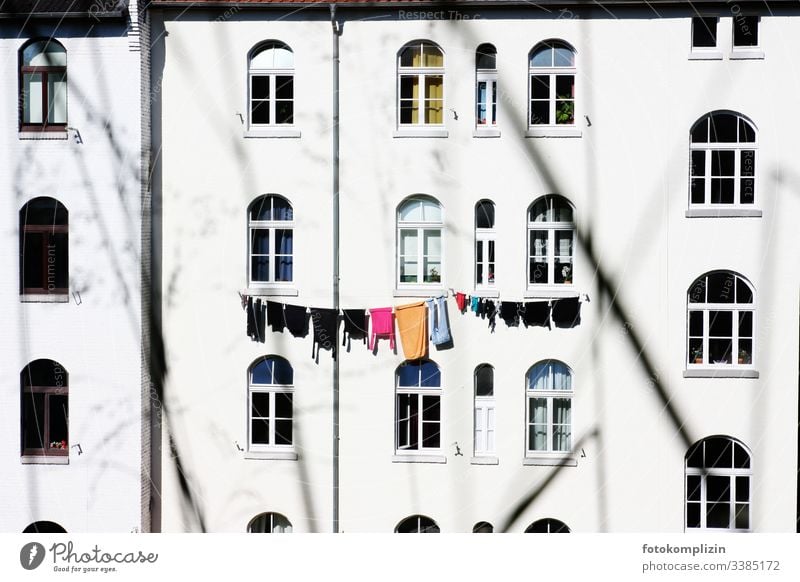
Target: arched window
(720,321)
(418,407)
(43,248)
(269,523)
(271,72)
(718,485)
(417,524)
(419,242)
(723,165)
(484,410)
(483,527)
(547,525)
(45,409)
(271,249)
(43,86)
(420,84)
(44,527)
(551,241)
(271,391)
(484,244)
(551,68)
(549,393)
(486,86)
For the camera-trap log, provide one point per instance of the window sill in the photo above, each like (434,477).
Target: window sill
(288,132)
(420,292)
(550,292)
(271,455)
(484,461)
(419,459)
(550,461)
(44,135)
(44,298)
(720,373)
(420,132)
(723,213)
(746,54)
(553,131)
(270,291)
(484,293)
(700,55)
(486,133)
(45,460)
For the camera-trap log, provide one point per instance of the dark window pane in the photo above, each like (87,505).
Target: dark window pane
(58,262)
(747,132)
(696,323)
(283,241)
(695,456)
(483,527)
(32,420)
(284,112)
(540,87)
(700,132)
(718,515)
(720,287)
(538,272)
(719,351)
(259,432)
(565,86)
(693,487)
(259,87)
(284,87)
(486,57)
(723,127)
(261,208)
(718,488)
(748,189)
(748,163)
(696,351)
(284,374)
(259,112)
(484,215)
(44,373)
(261,373)
(33,276)
(408,375)
(697,293)
(719,453)
(408,87)
(44,212)
(259,269)
(430,408)
(259,241)
(698,163)
(720,324)
(741,458)
(742,518)
(745,351)
(59,419)
(430,435)
(281,209)
(722,163)
(540,112)
(283,405)
(704,32)
(743,489)
(431,377)
(692,515)
(745,324)
(283,268)
(283,432)
(722,190)
(484,381)
(259,404)
(698,186)
(745,30)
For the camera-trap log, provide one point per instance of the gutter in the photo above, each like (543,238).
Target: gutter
(337,31)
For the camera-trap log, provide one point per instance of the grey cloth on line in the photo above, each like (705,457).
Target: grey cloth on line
(325,323)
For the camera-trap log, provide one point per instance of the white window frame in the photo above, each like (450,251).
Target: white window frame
(709,148)
(549,395)
(552,72)
(485,419)
(485,237)
(272,74)
(732,474)
(706,308)
(551,227)
(489,77)
(272,390)
(419,227)
(420,392)
(271,226)
(422,73)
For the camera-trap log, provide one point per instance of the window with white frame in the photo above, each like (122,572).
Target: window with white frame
(271,246)
(43,86)
(704,32)
(271,86)
(723,164)
(551,69)
(549,417)
(718,485)
(419,242)
(547,525)
(418,421)
(417,524)
(420,84)
(720,321)
(484,244)
(486,86)
(45,409)
(271,395)
(269,523)
(485,423)
(551,242)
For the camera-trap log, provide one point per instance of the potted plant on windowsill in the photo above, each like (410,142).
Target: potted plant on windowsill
(744,357)
(433,275)
(566,274)
(565,110)
(697,356)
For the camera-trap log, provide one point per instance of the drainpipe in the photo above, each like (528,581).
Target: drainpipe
(336,29)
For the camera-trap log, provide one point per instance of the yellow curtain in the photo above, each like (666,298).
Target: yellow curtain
(434,99)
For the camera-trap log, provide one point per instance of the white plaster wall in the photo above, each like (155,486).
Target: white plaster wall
(96,335)
(627,176)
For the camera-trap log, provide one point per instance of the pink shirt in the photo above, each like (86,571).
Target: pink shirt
(382,325)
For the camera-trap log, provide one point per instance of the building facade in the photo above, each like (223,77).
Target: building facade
(619,187)
(75,433)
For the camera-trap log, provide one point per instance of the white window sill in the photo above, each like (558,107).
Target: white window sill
(720,373)
(557,460)
(552,292)
(44,298)
(420,132)
(484,461)
(554,131)
(271,455)
(486,132)
(485,293)
(45,460)
(723,213)
(44,135)
(420,292)
(279,132)
(705,55)
(746,54)
(401,458)
(270,291)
